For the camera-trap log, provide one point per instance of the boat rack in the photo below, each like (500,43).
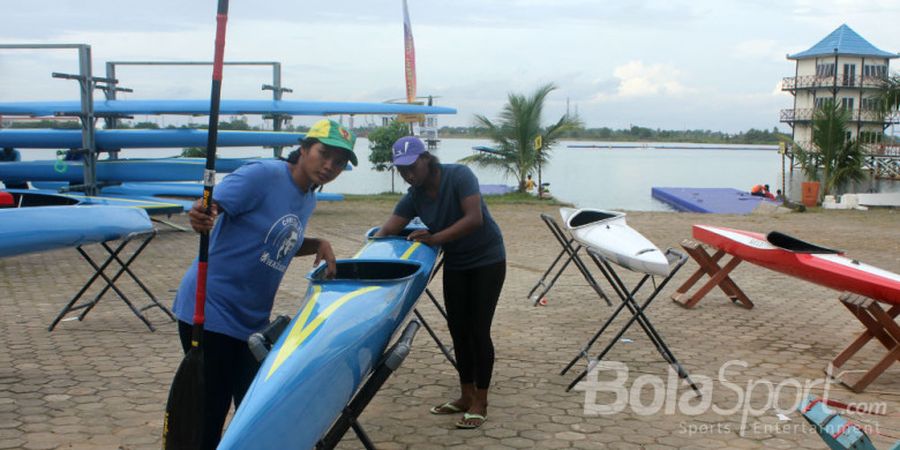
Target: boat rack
(571,248)
(141,240)
(676,261)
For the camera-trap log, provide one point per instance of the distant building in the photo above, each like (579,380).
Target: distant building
(844,68)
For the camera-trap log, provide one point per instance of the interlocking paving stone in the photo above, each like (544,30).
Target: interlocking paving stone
(102,382)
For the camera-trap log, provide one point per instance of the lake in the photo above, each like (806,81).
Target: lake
(604,177)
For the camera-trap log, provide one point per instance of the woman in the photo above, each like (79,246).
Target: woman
(447,199)
(265,208)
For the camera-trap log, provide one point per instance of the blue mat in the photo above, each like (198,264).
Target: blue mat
(709,200)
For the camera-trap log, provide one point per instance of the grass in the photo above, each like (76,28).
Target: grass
(515,198)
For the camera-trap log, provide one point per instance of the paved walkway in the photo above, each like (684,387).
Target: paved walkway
(102,383)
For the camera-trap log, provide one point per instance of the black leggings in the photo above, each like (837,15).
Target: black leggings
(229,368)
(470,297)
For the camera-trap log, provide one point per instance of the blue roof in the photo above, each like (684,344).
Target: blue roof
(846,42)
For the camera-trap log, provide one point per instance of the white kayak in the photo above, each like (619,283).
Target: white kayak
(607,233)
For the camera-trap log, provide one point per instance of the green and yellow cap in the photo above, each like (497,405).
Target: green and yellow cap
(333,134)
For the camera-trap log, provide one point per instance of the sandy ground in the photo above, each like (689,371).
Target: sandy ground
(103,382)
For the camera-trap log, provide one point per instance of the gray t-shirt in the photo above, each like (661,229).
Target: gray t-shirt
(480,248)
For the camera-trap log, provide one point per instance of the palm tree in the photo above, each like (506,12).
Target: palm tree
(889,98)
(515,132)
(840,157)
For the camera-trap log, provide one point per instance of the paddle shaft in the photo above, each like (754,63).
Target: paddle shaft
(209,175)
(183,425)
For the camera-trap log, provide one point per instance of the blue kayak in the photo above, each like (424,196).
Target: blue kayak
(167,169)
(26,198)
(42,228)
(341,330)
(193,107)
(118,139)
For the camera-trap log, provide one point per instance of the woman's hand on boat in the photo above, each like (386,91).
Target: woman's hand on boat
(423,236)
(200,220)
(325,253)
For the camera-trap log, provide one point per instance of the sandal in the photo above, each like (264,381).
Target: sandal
(446,408)
(471,421)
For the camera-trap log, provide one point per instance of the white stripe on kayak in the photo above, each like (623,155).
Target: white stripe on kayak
(741,238)
(863,267)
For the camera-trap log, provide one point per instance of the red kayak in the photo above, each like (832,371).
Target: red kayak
(789,255)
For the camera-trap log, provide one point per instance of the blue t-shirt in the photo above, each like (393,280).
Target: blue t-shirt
(262,219)
(482,247)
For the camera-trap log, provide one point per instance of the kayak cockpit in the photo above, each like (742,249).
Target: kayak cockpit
(363,270)
(591,217)
(795,245)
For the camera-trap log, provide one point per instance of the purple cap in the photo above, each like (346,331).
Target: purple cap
(407,150)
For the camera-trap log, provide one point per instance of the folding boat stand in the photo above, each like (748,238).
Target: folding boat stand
(261,342)
(637,311)
(879,324)
(718,276)
(141,240)
(424,323)
(390,361)
(571,248)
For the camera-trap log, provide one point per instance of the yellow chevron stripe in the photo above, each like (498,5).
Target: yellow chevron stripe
(303,328)
(410,250)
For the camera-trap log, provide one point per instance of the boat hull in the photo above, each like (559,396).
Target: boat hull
(42,228)
(831,270)
(607,233)
(119,139)
(39,197)
(117,170)
(341,330)
(227,106)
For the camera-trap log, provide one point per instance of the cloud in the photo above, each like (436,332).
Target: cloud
(636,79)
(760,49)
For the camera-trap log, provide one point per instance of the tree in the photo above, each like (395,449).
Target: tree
(889,97)
(380,141)
(514,134)
(840,157)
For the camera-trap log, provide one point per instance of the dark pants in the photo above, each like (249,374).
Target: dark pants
(470,297)
(229,368)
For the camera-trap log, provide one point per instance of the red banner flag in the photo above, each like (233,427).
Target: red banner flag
(410,57)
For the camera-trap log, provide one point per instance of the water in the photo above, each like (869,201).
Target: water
(617,178)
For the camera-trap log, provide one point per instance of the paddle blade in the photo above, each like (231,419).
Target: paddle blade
(183,423)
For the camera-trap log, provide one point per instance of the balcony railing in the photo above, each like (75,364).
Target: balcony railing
(817,82)
(856,115)
(890,151)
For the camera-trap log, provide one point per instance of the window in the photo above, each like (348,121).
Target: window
(870,137)
(875,70)
(821,102)
(847,103)
(869,104)
(825,70)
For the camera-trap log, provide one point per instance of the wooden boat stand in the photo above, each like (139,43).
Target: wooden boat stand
(637,315)
(879,324)
(718,276)
(114,254)
(571,248)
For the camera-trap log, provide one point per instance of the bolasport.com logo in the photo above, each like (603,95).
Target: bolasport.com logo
(724,395)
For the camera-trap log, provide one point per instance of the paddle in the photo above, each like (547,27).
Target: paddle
(183,423)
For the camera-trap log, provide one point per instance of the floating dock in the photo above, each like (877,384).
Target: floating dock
(709,200)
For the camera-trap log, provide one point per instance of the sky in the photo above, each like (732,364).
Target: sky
(700,64)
